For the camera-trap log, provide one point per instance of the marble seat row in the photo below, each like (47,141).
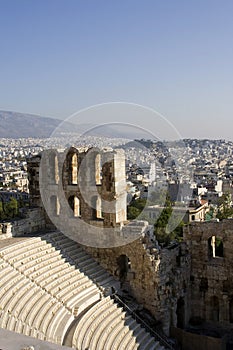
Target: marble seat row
(55,331)
(37,253)
(10,322)
(106,326)
(82,260)
(19,247)
(39,289)
(106,330)
(46,282)
(8,278)
(28,309)
(37,263)
(45,267)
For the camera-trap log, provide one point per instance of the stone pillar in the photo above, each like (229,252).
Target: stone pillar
(213,245)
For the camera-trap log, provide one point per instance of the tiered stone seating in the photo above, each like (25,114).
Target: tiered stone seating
(41,310)
(85,322)
(83,261)
(13,324)
(44,286)
(28,309)
(44,265)
(125,333)
(106,326)
(19,246)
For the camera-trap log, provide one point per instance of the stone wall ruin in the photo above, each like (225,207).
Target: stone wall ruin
(189,280)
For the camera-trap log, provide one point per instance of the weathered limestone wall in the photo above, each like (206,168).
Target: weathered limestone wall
(34,222)
(91,181)
(156,278)
(72,185)
(211,276)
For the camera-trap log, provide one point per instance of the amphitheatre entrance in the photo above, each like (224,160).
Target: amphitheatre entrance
(123,267)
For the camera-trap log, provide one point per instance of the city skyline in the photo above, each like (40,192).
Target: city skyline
(176,58)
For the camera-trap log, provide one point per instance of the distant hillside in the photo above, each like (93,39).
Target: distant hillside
(18,125)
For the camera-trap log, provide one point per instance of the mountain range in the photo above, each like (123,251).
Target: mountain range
(20,125)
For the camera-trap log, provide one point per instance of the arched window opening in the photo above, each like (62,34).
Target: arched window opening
(180,313)
(123,267)
(215,247)
(54,206)
(214,304)
(74,169)
(193,217)
(107,170)
(56,170)
(218,247)
(96,207)
(98,169)
(210,248)
(74,204)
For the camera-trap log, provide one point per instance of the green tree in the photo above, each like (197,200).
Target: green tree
(135,208)
(139,203)
(177,233)
(2,214)
(209,215)
(163,219)
(168,227)
(225,209)
(133,213)
(11,208)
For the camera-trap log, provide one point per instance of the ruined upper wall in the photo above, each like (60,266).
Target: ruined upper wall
(157,278)
(211,249)
(198,235)
(93,183)
(90,186)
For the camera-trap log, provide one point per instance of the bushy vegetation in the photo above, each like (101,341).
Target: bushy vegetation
(10,209)
(135,208)
(167,227)
(225,210)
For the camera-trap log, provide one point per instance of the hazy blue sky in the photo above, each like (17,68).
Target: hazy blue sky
(57,56)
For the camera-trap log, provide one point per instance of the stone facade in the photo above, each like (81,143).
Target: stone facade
(34,221)
(211,280)
(184,281)
(158,279)
(91,181)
